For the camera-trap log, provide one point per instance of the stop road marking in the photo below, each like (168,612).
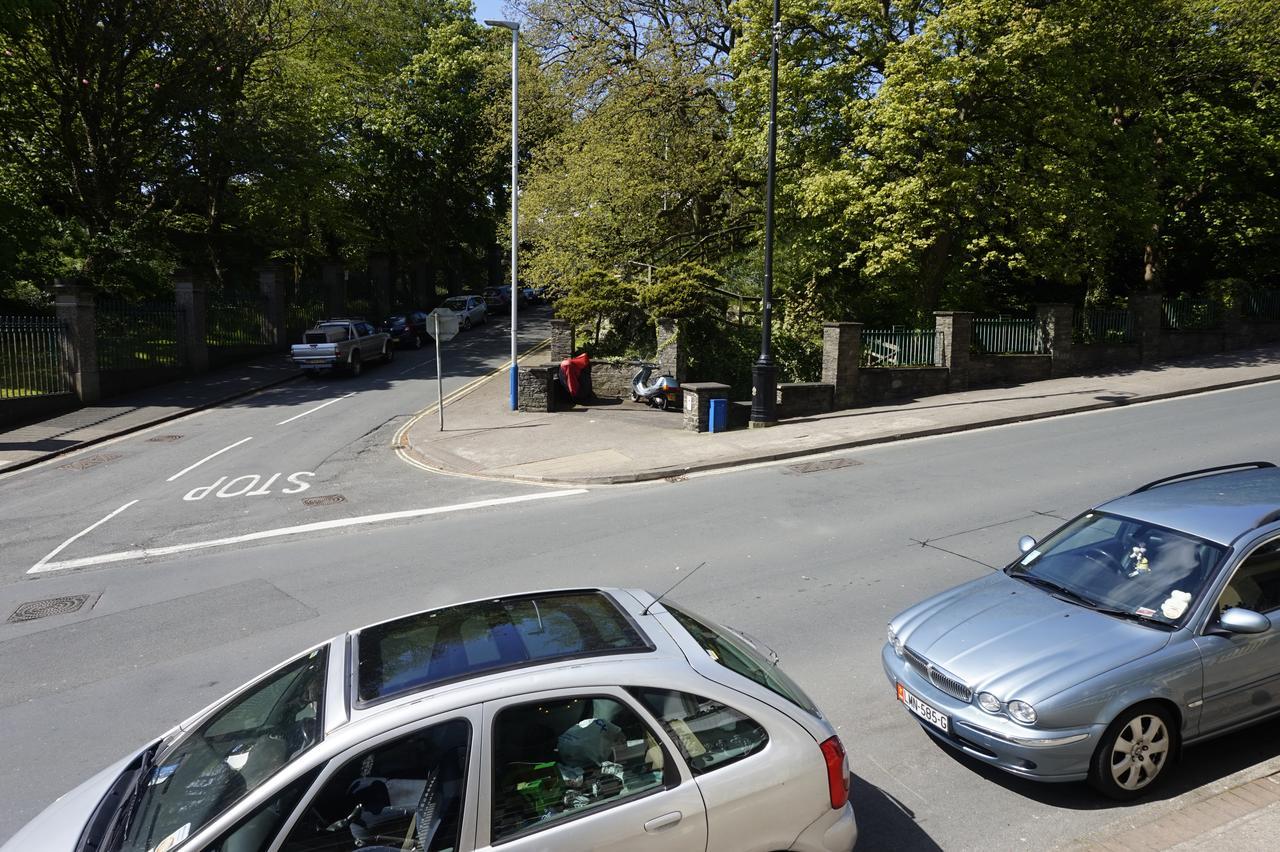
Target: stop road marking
(250,485)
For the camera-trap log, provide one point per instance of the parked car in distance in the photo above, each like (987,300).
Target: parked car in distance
(1144,625)
(574,719)
(531,295)
(497,299)
(407,329)
(471,310)
(340,344)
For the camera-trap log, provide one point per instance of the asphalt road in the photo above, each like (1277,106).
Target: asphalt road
(814,563)
(250,465)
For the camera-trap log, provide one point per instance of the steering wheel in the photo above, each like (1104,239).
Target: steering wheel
(1105,559)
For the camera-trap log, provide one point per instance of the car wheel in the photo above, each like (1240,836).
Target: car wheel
(417,341)
(387,353)
(466,323)
(356,366)
(1134,753)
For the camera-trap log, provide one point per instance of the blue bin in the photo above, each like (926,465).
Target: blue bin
(718,416)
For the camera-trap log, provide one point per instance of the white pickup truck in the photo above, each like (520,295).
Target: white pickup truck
(340,343)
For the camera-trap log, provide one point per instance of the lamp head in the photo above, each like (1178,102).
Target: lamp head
(506,25)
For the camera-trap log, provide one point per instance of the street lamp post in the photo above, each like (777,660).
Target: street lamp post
(764,374)
(515,192)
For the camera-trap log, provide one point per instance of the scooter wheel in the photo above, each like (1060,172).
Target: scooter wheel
(660,403)
(635,397)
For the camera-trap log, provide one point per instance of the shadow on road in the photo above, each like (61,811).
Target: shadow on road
(884,822)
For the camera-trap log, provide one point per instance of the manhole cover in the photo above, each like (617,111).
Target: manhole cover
(824,464)
(164,439)
(91,461)
(324,500)
(32,610)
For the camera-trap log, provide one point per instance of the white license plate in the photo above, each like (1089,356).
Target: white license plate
(931,715)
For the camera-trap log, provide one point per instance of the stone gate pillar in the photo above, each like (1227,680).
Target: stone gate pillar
(75,308)
(841,360)
(192,300)
(955,334)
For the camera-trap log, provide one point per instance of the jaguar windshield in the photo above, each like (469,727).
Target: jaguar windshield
(1122,567)
(220,762)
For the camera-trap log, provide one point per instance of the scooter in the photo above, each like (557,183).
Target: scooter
(662,393)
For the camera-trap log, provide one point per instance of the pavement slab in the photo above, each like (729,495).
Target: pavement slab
(619,441)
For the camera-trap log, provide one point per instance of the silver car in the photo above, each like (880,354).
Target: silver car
(1144,625)
(576,719)
(470,310)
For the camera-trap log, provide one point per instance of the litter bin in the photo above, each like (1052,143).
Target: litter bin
(718,416)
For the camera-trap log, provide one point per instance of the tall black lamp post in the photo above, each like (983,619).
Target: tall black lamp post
(764,374)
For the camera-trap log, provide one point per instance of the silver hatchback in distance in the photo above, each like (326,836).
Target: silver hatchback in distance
(581,719)
(1148,623)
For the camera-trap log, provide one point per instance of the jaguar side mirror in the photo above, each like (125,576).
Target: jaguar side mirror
(1026,543)
(1238,620)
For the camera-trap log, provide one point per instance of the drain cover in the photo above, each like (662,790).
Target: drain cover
(91,461)
(324,500)
(164,439)
(824,464)
(31,610)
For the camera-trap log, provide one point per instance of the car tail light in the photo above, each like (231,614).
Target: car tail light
(837,772)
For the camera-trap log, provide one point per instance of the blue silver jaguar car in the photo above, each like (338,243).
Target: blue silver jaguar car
(1145,624)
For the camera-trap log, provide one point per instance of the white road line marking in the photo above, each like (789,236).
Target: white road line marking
(317,408)
(88,529)
(206,458)
(147,553)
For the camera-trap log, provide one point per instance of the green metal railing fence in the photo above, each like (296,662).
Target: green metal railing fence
(134,336)
(1005,335)
(1261,304)
(899,347)
(1105,325)
(1190,314)
(33,357)
(300,317)
(236,321)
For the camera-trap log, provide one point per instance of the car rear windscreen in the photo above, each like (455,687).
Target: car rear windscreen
(476,638)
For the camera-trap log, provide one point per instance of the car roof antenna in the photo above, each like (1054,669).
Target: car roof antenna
(659,598)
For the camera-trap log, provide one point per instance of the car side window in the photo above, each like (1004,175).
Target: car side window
(1255,584)
(709,734)
(255,832)
(405,794)
(558,759)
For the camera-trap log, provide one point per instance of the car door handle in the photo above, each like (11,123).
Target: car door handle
(659,823)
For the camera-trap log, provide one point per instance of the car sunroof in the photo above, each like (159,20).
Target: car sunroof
(455,642)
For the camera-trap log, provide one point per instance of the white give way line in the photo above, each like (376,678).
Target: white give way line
(317,408)
(52,553)
(44,566)
(192,467)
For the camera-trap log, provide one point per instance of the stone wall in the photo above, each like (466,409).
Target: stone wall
(803,399)
(612,378)
(1008,369)
(1182,344)
(535,391)
(877,384)
(1097,357)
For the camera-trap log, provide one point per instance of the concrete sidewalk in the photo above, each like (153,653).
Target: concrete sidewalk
(27,445)
(622,441)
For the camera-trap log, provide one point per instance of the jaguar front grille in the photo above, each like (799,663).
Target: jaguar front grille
(940,678)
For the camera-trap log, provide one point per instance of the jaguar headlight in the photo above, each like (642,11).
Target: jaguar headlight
(988,702)
(895,642)
(1022,712)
